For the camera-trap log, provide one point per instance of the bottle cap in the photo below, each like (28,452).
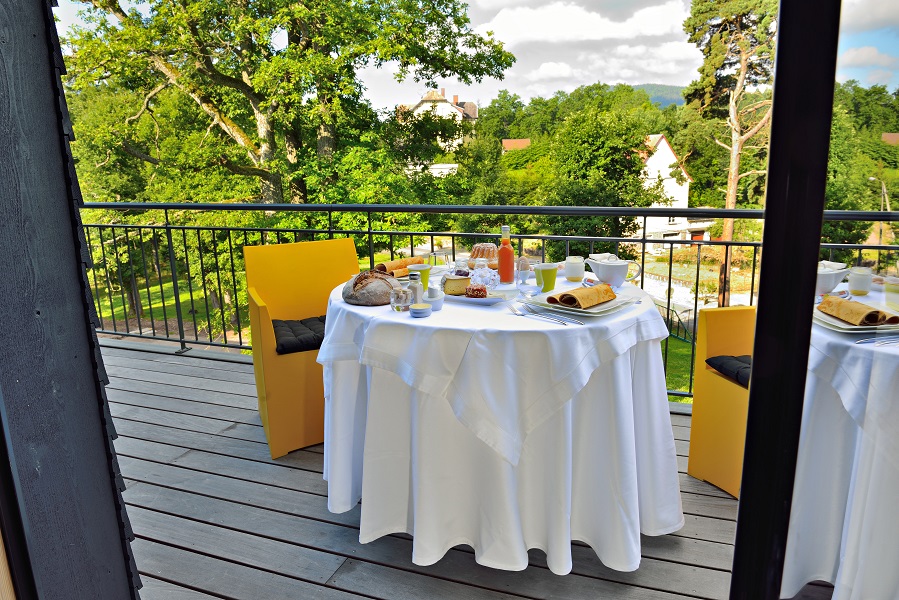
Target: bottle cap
(414,276)
(505,230)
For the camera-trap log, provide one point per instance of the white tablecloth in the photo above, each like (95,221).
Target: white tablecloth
(475,426)
(844,526)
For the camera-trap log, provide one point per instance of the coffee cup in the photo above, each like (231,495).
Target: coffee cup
(424,270)
(545,274)
(614,271)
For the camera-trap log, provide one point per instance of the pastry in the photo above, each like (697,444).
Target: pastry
(455,285)
(486,250)
(402,263)
(476,290)
(369,288)
(399,273)
(855,313)
(583,297)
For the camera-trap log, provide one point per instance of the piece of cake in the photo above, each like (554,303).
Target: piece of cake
(476,290)
(455,285)
(486,250)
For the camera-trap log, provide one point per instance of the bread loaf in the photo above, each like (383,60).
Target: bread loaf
(369,288)
(401,263)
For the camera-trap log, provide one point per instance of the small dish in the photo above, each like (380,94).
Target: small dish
(420,310)
(436,302)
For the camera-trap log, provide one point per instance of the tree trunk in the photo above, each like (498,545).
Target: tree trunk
(271,188)
(133,297)
(327,130)
(293,144)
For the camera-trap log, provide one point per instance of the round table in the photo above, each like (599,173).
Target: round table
(476,426)
(843,525)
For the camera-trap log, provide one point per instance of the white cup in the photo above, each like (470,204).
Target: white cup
(613,270)
(860,279)
(574,268)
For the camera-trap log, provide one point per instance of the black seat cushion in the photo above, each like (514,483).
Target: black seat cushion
(299,336)
(732,367)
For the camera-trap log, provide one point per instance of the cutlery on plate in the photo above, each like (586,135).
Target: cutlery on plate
(879,340)
(563,317)
(541,315)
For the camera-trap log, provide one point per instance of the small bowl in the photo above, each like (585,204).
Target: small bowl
(420,310)
(827,280)
(435,302)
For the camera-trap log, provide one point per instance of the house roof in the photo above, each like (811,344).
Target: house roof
(516,144)
(468,110)
(890,138)
(653,141)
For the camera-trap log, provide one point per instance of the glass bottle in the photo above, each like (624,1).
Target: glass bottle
(506,258)
(416,287)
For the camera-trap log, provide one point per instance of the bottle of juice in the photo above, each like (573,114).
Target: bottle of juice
(506,258)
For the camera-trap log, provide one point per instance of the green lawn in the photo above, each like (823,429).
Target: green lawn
(117,310)
(741,279)
(680,355)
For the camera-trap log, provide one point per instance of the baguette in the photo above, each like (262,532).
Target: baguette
(402,263)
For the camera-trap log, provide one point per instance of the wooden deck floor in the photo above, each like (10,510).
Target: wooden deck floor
(215,517)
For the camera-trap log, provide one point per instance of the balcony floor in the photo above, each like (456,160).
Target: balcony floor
(216,517)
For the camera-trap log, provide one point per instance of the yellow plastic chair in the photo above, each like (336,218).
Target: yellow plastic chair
(720,405)
(292,282)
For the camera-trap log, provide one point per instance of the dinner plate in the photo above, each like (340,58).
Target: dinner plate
(626,296)
(831,322)
(490,299)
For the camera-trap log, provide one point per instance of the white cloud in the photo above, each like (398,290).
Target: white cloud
(868,15)
(879,77)
(866,56)
(552,70)
(673,62)
(564,22)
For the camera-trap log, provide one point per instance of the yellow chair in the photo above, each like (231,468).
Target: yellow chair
(720,405)
(292,282)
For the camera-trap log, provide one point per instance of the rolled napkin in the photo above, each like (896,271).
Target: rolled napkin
(583,297)
(855,313)
(402,263)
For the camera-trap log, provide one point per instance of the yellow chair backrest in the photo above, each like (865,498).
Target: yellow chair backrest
(727,331)
(295,279)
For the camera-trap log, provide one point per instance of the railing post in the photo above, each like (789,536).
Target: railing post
(371,245)
(171,245)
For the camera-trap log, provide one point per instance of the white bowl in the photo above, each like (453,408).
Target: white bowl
(436,303)
(827,280)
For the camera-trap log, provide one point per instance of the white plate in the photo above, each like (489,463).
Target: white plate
(626,296)
(490,299)
(830,322)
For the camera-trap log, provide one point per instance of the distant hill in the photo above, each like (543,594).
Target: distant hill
(663,94)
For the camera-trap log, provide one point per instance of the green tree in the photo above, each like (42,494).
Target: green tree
(285,104)
(737,40)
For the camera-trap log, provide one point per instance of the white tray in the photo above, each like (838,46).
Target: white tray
(626,296)
(490,299)
(830,322)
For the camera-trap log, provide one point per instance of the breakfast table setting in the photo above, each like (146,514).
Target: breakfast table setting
(517,414)
(843,526)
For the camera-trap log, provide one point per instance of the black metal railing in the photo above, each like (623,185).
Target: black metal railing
(165,275)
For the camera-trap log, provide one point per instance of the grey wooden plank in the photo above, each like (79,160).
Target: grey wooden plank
(682,447)
(681,432)
(164,453)
(156,589)
(390,550)
(681,464)
(217,444)
(241,431)
(187,407)
(171,391)
(690,484)
(227,579)
(689,551)
(235,546)
(186,381)
(275,498)
(709,506)
(180,359)
(681,420)
(705,528)
(200,372)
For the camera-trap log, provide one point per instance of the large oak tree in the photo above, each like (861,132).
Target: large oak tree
(277,79)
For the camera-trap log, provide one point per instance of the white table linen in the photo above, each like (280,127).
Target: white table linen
(475,426)
(844,526)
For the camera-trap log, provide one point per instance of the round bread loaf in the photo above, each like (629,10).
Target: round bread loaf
(486,250)
(369,288)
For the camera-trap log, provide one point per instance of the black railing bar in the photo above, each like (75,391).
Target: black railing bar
(755,256)
(108,280)
(163,339)
(680,394)
(218,279)
(668,291)
(165,310)
(143,260)
(203,281)
(234,290)
(115,248)
(173,270)
(132,284)
(695,318)
(98,304)
(371,245)
(190,289)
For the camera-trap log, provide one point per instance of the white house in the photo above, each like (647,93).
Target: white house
(466,112)
(660,160)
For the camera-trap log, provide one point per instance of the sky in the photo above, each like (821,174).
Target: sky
(563,44)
